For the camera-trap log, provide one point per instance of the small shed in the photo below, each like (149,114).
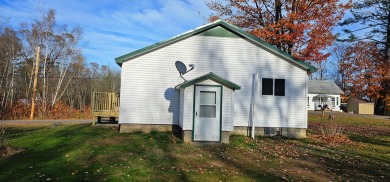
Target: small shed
(206,108)
(359,106)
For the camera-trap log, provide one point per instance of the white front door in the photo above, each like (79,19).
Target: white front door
(207,119)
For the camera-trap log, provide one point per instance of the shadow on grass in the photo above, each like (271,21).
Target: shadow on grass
(169,141)
(44,158)
(85,153)
(369,140)
(349,164)
(254,172)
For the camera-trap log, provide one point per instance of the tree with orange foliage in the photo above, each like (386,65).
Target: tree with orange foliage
(301,28)
(373,18)
(365,70)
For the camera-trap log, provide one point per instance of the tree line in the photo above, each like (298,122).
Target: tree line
(65,79)
(359,64)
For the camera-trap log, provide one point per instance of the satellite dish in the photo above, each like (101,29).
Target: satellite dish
(181,67)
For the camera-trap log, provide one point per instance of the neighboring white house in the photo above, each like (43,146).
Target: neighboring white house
(323,92)
(238,80)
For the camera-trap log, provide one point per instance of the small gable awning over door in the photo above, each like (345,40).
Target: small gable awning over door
(322,96)
(210,76)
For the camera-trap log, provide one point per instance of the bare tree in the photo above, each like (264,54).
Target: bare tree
(59,50)
(10,47)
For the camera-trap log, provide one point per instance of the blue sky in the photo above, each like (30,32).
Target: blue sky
(114,28)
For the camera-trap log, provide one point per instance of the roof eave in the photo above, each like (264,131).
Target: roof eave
(213,77)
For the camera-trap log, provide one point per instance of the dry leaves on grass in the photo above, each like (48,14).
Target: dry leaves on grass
(335,139)
(329,133)
(8,151)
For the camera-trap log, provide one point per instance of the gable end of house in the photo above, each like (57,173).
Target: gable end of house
(218,28)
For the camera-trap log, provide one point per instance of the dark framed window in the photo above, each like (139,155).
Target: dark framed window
(279,87)
(267,86)
(308,101)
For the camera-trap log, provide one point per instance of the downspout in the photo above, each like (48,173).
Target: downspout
(232,112)
(254,105)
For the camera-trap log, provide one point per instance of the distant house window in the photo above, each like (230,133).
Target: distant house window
(308,101)
(337,101)
(279,87)
(269,88)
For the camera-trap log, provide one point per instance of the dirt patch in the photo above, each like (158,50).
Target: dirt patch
(111,140)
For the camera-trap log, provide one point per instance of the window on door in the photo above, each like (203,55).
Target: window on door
(207,104)
(274,87)
(333,102)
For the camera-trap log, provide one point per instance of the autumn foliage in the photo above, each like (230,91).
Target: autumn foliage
(330,133)
(59,111)
(301,28)
(365,71)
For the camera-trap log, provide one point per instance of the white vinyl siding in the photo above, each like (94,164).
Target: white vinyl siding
(227,117)
(147,94)
(188,109)
(181,108)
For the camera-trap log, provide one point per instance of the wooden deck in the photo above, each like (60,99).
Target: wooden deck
(105,105)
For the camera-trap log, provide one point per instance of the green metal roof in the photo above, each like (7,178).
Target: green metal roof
(210,76)
(208,30)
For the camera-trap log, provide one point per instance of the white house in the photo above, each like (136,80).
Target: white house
(238,81)
(323,92)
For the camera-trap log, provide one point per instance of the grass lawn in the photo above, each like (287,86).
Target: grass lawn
(85,153)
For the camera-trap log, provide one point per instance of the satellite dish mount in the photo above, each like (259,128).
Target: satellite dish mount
(182,68)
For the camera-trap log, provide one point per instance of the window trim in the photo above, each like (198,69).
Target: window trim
(333,102)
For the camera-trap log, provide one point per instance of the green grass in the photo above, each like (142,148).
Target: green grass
(85,153)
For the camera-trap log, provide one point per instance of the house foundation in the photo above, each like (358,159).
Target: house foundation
(147,128)
(260,131)
(225,137)
(294,132)
(247,131)
(186,135)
